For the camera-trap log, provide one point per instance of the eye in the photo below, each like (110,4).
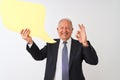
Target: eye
(61,27)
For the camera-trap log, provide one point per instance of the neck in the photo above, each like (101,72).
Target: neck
(65,39)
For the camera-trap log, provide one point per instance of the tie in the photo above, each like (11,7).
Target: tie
(65,67)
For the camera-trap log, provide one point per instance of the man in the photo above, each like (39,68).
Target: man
(77,51)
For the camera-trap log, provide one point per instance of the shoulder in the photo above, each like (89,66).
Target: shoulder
(76,42)
(57,41)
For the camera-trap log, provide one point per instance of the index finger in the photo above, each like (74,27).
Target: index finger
(81,26)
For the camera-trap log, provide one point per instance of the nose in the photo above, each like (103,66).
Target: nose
(64,29)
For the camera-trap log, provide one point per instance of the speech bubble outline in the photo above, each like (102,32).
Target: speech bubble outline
(17,15)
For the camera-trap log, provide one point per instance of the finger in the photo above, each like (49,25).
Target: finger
(26,31)
(21,32)
(81,26)
(78,34)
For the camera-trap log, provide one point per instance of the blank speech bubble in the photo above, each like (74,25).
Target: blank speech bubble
(18,15)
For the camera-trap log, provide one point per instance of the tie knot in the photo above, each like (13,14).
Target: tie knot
(65,42)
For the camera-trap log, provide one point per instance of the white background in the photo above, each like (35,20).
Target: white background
(102,21)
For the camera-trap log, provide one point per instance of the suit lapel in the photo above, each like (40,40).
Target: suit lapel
(72,52)
(55,50)
(56,45)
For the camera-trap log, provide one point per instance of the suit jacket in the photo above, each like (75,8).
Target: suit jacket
(78,53)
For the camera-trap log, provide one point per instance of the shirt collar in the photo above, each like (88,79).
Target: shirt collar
(68,41)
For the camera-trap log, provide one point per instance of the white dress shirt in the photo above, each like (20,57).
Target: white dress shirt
(58,73)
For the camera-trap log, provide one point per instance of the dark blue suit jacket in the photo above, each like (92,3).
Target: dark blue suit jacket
(78,53)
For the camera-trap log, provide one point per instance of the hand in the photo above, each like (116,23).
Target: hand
(25,33)
(81,35)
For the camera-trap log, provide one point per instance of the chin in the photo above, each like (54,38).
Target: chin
(64,39)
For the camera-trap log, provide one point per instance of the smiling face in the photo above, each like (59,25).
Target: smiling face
(65,29)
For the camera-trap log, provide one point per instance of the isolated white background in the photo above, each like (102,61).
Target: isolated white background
(102,21)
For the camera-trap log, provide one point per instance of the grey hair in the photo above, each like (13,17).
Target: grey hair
(66,19)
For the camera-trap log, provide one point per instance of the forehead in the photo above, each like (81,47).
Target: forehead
(65,23)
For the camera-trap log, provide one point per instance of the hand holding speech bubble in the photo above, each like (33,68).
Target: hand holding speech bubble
(18,15)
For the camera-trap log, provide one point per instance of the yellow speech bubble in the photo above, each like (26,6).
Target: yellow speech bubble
(18,15)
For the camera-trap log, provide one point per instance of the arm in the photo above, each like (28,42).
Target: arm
(33,50)
(89,54)
(36,53)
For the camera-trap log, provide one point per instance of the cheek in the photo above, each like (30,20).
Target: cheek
(59,32)
(69,31)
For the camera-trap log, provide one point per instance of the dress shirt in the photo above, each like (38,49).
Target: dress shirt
(58,73)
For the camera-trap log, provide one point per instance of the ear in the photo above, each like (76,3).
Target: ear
(72,29)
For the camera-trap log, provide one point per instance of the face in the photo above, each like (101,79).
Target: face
(64,30)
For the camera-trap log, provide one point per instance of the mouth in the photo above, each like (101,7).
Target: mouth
(64,34)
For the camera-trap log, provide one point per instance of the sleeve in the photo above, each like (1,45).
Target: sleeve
(90,55)
(36,53)
(29,45)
